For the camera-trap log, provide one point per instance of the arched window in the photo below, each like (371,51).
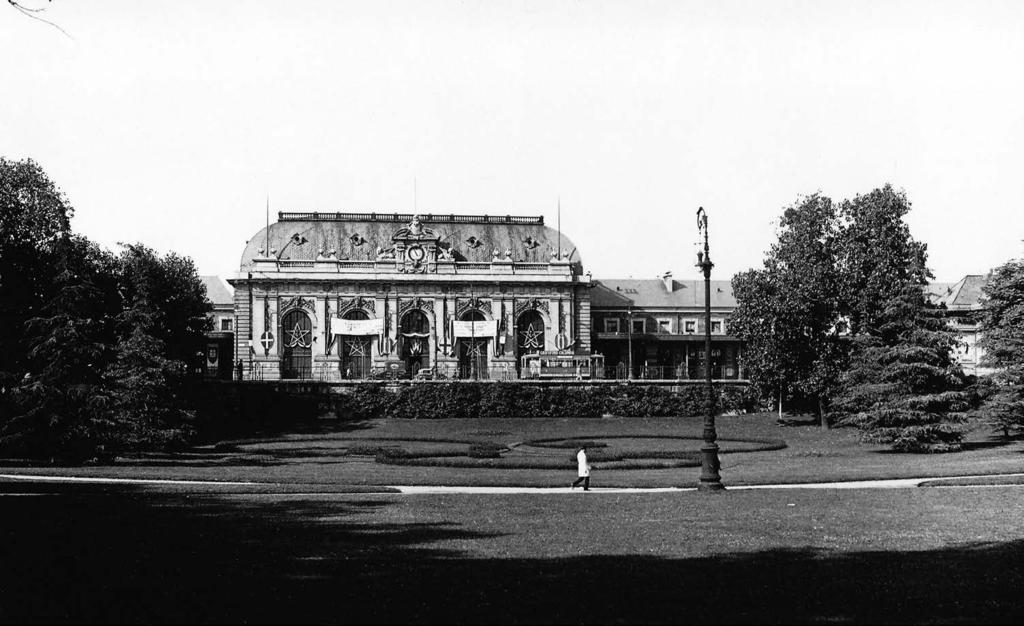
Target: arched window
(415,322)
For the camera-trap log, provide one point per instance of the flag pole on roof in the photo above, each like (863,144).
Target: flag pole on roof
(559,227)
(267,248)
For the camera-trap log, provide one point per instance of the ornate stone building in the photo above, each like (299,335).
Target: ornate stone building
(330,296)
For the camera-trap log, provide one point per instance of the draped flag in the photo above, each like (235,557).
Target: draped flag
(357,327)
(480,330)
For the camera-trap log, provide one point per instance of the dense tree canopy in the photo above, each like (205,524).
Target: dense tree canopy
(788,313)
(837,313)
(95,345)
(877,255)
(35,218)
(1002,338)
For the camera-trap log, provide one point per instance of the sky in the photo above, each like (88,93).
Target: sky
(171,123)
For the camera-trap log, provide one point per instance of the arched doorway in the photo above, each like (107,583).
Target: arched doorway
(472,351)
(529,336)
(296,345)
(355,350)
(415,334)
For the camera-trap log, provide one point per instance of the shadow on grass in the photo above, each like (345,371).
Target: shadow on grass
(272,429)
(88,553)
(798,421)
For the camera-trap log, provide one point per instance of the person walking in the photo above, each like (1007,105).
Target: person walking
(583,470)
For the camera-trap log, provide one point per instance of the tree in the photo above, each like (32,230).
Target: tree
(904,386)
(788,314)
(34,13)
(93,347)
(755,321)
(35,218)
(174,294)
(142,392)
(1002,338)
(52,412)
(876,255)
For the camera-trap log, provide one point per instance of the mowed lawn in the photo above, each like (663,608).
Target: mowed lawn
(322,457)
(99,553)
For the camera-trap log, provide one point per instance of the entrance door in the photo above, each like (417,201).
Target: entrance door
(415,331)
(296,342)
(472,351)
(355,350)
(473,358)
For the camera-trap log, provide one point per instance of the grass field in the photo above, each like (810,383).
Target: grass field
(89,553)
(322,457)
(274,552)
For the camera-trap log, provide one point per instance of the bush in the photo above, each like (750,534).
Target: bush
(486,450)
(501,399)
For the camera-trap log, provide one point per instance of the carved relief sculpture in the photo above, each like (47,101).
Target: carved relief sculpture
(298,302)
(532,303)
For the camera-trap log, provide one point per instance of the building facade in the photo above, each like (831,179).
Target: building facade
(217,357)
(334,296)
(655,329)
(338,296)
(963,301)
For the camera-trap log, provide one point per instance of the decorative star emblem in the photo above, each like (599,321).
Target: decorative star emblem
(531,337)
(298,337)
(358,347)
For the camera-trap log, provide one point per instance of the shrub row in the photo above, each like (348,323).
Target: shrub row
(470,400)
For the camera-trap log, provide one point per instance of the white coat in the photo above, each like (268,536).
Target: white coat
(581,461)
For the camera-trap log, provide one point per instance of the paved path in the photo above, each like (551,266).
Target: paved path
(895,483)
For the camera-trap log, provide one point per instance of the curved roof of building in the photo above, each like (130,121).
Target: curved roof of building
(357,236)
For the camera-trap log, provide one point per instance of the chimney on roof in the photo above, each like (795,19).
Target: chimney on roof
(667,279)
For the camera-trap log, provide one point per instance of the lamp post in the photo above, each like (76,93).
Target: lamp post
(710,480)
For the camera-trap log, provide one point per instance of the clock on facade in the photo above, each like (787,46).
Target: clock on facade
(415,253)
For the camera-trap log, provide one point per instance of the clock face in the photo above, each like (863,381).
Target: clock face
(416,254)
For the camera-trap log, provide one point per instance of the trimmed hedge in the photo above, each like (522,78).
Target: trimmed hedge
(470,400)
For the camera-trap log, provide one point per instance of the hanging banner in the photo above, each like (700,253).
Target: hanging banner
(357,327)
(480,330)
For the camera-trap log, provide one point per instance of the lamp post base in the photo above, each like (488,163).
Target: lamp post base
(710,480)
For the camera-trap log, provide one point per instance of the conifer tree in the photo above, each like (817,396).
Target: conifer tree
(904,386)
(141,395)
(53,412)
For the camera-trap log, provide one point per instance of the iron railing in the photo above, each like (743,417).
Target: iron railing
(426,218)
(331,372)
(671,372)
